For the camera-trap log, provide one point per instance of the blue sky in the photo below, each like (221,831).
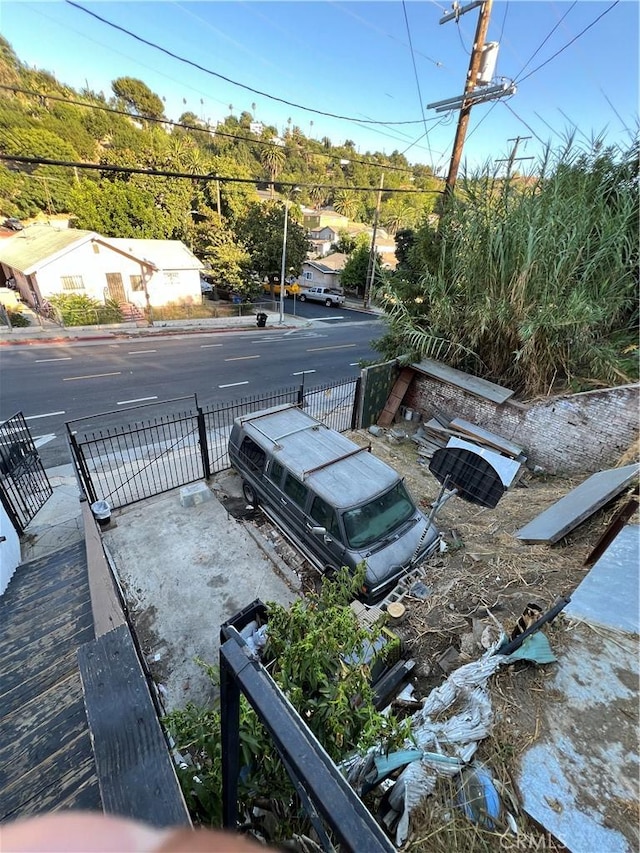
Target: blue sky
(354,59)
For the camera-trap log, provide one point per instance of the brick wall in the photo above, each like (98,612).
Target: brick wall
(572,434)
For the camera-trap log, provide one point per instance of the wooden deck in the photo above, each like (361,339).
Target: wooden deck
(46,758)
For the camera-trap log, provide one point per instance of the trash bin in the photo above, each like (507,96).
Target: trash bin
(261,319)
(101,512)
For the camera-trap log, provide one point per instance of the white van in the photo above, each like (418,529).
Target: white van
(339,502)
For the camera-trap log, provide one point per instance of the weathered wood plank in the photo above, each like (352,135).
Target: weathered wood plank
(135,770)
(105,601)
(57,791)
(576,506)
(40,653)
(473,384)
(489,438)
(395,397)
(39,729)
(46,596)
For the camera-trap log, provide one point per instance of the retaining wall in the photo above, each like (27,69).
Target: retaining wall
(569,434)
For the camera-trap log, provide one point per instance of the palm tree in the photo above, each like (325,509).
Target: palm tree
(272,157)
(347,203)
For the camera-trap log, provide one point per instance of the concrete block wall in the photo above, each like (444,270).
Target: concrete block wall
(568,434)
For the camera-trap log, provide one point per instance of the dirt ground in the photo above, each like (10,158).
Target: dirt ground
(486,570)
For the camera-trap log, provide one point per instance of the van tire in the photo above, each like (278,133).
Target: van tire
(249,494)
(302,298)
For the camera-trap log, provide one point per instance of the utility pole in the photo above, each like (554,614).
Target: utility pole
(472,77)
(511,159)
(371,267)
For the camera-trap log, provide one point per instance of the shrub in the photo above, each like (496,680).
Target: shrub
(76,309)
(17,319)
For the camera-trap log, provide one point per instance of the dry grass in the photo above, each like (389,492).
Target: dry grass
(488,576)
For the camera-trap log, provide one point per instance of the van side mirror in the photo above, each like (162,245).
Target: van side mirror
(317,531)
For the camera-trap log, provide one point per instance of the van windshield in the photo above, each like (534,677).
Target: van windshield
(366,524)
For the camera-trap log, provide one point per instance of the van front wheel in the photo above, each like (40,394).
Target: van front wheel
(249,494)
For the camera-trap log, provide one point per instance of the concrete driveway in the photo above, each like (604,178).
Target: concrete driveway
(185,571)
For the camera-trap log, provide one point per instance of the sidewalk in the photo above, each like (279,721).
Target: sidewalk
(46,331)
(50,332)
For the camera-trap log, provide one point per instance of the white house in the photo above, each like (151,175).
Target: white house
(324,273)
(44,261)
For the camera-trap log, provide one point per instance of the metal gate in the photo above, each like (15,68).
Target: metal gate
(24,485)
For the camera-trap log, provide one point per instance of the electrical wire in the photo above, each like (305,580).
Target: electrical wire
(415,73)
(209,71)
(45,96)
(504,20)
(545,40)
(191,176)
(569,43)
(529,128)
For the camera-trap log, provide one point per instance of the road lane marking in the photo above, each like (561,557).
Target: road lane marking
(243,357)
(335,317)
(354,364)
(40,440)
(63,358)
(94,376)
(208,346)
(338,346)
(141,351)
(46,415)
(303,372)
(138,400)
(233,384)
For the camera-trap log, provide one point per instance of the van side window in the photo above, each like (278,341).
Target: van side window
(253,455)
(325,516)
(275,472)
(296,490)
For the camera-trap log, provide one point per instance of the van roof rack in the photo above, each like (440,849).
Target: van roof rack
(337,459)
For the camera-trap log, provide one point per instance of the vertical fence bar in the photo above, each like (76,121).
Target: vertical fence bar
(204,445)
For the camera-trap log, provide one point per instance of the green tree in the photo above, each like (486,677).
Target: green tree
(354,274)
(262,232)
(272,157)
(137,97)
(117,209)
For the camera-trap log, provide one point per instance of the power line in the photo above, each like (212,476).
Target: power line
(202,68)
(190,176)
(164,121)
(415,73)
(529,128)
(569,43)
(544,41)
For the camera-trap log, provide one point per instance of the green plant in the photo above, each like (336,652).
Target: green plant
(314,653)
(17,319)
(80,310)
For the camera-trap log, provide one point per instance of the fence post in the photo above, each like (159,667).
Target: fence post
(81,467)
(204,446)
(356,404)
(301,393)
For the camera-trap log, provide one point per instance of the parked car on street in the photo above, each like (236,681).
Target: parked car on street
(13,223)
(327,295)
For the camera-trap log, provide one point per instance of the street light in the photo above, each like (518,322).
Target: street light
(284,255)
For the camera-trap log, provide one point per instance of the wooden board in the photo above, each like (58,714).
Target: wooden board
(576,506)
(135,771)
(396,397)
(486,437)
(473,384)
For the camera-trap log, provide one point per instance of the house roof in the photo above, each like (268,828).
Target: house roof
(27,250)
(164,254)
(333,263)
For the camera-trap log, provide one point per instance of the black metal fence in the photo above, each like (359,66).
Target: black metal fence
(24,485)
(128,462)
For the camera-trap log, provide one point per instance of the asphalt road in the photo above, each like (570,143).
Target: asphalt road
(54,384)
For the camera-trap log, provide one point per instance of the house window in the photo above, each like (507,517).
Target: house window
(72,282)
(307,275)
(136,283)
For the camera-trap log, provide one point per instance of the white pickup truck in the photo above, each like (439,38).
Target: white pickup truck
(322,294)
